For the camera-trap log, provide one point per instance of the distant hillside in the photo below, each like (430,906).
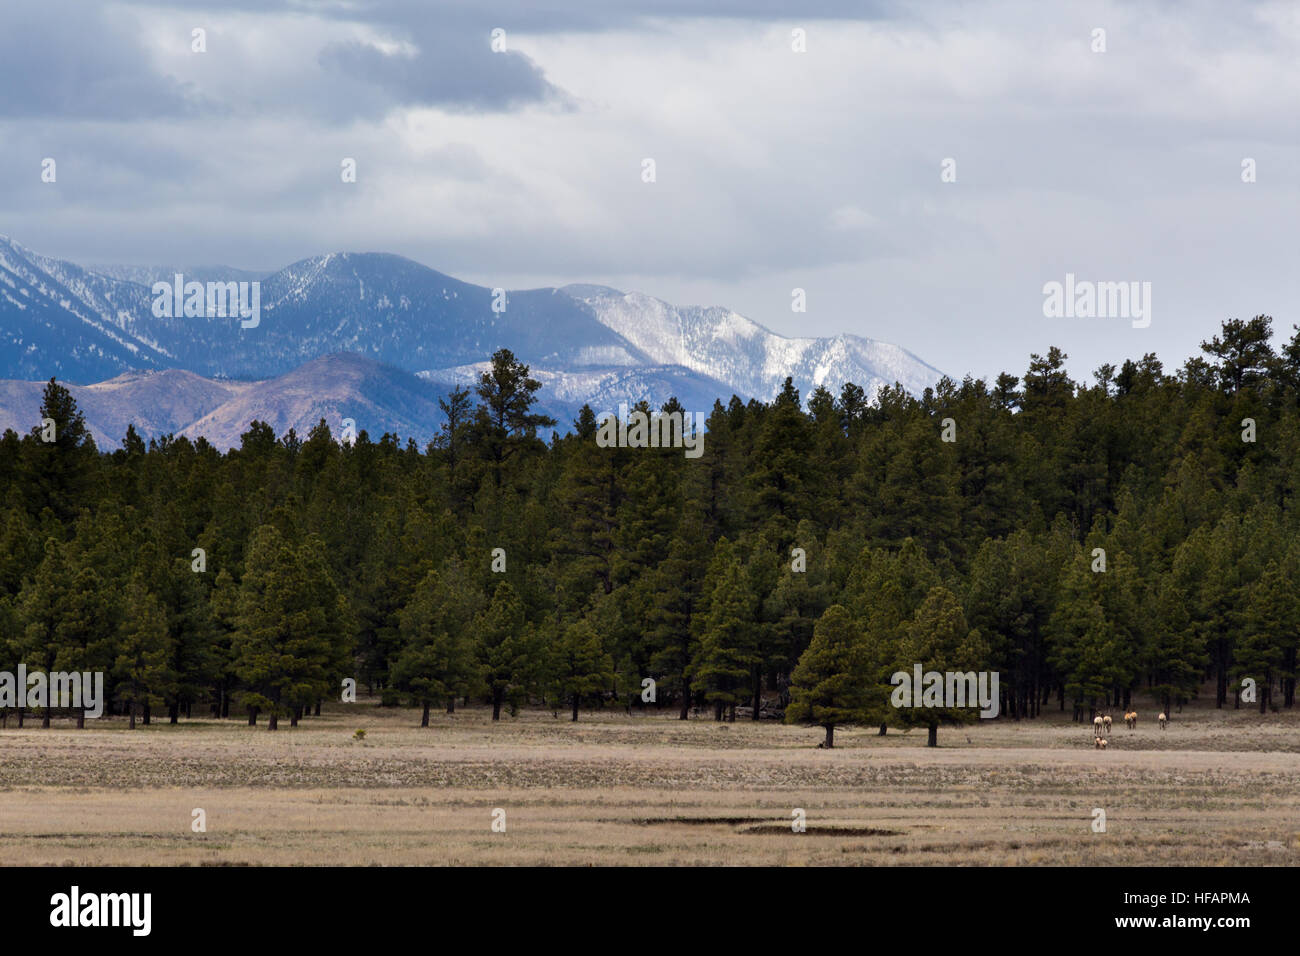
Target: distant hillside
(377,397)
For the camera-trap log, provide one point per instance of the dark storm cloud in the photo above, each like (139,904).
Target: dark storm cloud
(73,60)
(447,71)
(68,60)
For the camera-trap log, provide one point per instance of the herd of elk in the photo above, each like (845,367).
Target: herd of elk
(1101,726)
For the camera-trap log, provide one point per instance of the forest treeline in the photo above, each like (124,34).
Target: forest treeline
(1084,540)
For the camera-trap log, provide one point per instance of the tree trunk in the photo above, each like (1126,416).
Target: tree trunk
(20,718)
(830,736)
(81,719)
(1288,683)
(424,718)
(252,716)
(685,712)
(147,715)
(451,705)
(883,728)
(717,712)
(131,725)
(173,713)
(933,739)
(274,722)
(496,704)
(576,698)
(45,719)
(293,716)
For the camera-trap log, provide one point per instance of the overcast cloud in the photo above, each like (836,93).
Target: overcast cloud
(775,169)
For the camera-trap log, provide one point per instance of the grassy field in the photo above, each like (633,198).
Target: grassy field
(1216,787)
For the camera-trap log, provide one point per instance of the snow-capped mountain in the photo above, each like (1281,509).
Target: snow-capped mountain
(587,344)
(58,319)
(728,347)
(604,388)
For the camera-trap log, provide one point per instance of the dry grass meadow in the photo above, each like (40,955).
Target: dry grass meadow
(1217,787)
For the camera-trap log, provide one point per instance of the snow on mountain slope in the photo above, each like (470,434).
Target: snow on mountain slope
(588,344)
(605,388)
(727,346)
(58,319)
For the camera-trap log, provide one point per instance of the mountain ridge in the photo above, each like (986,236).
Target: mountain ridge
(588,344)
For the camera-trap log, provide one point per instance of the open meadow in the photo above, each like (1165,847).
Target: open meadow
(1216,787)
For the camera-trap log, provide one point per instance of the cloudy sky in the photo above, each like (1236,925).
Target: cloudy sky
(774,169)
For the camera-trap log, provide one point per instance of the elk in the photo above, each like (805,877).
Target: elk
(1162,718)
(1100,743)
(1106,720)
(1131,718)
(1096,727)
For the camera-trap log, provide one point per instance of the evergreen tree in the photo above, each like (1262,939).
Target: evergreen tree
(673,596)
(938,639)
(728,648)
(508,654)
(832,684)
(143,669)
(504,423)
(581,666)
(437,664)
(281,647)
(1266,651)
(1086,653)
(42,614)
(61,457)
(1243,352)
